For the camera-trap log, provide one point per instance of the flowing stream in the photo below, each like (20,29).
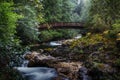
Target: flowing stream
(44,73)
(37,73)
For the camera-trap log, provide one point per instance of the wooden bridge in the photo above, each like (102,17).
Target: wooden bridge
(74,25)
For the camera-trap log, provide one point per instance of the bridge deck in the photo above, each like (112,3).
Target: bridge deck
(61,25)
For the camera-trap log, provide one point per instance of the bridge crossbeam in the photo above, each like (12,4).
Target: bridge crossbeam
(61,25)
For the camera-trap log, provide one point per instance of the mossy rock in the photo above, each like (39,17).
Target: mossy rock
(118,37)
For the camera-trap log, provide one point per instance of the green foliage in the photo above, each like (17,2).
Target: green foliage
(105,12)
(115,30)
(48,35)
(11,53)
(9,43)
(98,24)
(10,49)
(7,22)
(51,10)
(116,26)
(81,51)
(45,36)
(68,33)
(80,10)
(10,74)
(66,11)
(117,62)
(27,28)
(32,16)
(92,39)
(57,10)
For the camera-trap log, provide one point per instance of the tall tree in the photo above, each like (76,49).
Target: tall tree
(57,10)
(32,16)
(8,20)
(52,10)
(67,9)
(108,10)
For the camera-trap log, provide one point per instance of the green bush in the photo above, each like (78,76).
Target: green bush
(48,35)
(45,36)
(7,22)
(9,42)
(10,74)
(27,26)
(98,25)
(68,33)
(117,62)
(115,30)
(10,48)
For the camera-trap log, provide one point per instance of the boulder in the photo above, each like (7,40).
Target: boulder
(64,68)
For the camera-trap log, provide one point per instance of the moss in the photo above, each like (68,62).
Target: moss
(48,49)
(8,73)
(92,39)
(117,62)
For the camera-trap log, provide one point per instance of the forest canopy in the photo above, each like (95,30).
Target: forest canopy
(20,19)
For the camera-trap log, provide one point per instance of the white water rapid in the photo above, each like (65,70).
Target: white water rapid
(37,73)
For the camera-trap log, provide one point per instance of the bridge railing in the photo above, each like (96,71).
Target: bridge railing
(61,24)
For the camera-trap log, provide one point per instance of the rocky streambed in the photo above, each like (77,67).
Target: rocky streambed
(65,68)
(83,62)
(55,62)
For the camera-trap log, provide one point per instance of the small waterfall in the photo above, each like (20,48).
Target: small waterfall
(78,2)
(78,36)
(55,43)
(81,11)
(24,61)
(36,73)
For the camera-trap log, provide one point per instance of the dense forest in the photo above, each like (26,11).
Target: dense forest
(97,51)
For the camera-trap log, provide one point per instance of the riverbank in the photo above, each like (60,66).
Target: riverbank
(93,57)
(95,52)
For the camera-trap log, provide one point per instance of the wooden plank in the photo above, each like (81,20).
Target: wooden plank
(61,25)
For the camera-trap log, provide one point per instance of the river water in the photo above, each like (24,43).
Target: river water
(37,73)
(44,73)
